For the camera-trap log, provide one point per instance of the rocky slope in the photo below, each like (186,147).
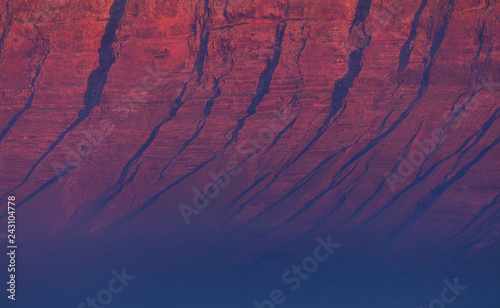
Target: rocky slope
(374,121)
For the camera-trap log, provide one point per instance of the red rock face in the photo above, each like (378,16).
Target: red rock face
(374,121)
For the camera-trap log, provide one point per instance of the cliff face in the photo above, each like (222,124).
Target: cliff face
(374,121)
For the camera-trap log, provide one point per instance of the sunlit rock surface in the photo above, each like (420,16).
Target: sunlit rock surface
(374,122)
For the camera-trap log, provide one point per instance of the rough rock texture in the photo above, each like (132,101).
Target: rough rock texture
(112,112)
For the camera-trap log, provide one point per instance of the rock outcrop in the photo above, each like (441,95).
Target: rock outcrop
(374,121)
